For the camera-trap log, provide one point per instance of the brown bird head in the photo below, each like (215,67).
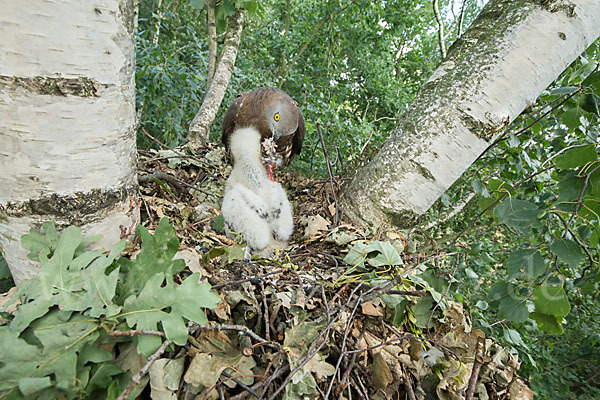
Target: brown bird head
(274,114)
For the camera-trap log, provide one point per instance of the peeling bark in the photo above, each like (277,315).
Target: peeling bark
(200,126)
(510,54)
(67,121)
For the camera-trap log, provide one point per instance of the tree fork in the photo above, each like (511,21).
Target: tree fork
(509,55)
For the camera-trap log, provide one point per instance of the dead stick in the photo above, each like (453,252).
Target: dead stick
(408,384)
(331,178)
(478,360)
(135,380)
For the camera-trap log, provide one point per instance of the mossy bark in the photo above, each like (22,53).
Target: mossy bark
(509,55)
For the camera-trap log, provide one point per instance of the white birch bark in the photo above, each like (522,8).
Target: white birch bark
(200,126)
(510,54)
(67,120)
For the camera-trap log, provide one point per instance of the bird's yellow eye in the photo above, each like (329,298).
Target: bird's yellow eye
(276,117)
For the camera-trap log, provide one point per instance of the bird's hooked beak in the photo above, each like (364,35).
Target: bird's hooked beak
(275,133)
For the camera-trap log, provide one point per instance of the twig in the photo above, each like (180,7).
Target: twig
(313,348)
(408,384)
(242,385)
(416,293)
(136,379)
(476,367)
(135,332)
(343,350)
(266,312)
(441,36)
(240,328)
(331,177)
(261,277)
(580,199)
(179,184)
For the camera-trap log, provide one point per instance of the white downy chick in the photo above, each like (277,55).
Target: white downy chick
(253,205)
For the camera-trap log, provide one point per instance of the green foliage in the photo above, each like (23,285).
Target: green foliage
(359,63)
(536,252)
(50,349)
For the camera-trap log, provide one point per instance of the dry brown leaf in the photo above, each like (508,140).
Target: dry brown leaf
(314,225)
(331,209)
(369,309)
(382,376)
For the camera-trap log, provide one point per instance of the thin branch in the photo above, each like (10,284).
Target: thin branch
(331,177)
(212,41)
(476,367)
(440,22)
(462,18)
(136,379)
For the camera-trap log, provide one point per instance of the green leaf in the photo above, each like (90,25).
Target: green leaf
(592,80)
(482,305)
(356,254)
(422,310)
(513,308)
(155,257)
(54,283)
(99,288)
(528,262)
(548,323)
(567,251)
(571,119)
(199,4)
(518,214)
(168,305)
(551,300)
(29,386)
(386,254)
(576,157)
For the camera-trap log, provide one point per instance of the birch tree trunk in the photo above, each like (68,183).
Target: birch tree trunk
(67,121)
(510,54)
(200,126)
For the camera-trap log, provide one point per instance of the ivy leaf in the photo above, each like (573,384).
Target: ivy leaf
(551,300)
(518,214)
(548,323)
(567,251)
(528,262)
(387,254)
(576,157)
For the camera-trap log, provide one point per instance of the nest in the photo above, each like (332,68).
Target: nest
(312,323)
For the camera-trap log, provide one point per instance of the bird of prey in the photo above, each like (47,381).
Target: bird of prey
(276,116)
(254,205)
